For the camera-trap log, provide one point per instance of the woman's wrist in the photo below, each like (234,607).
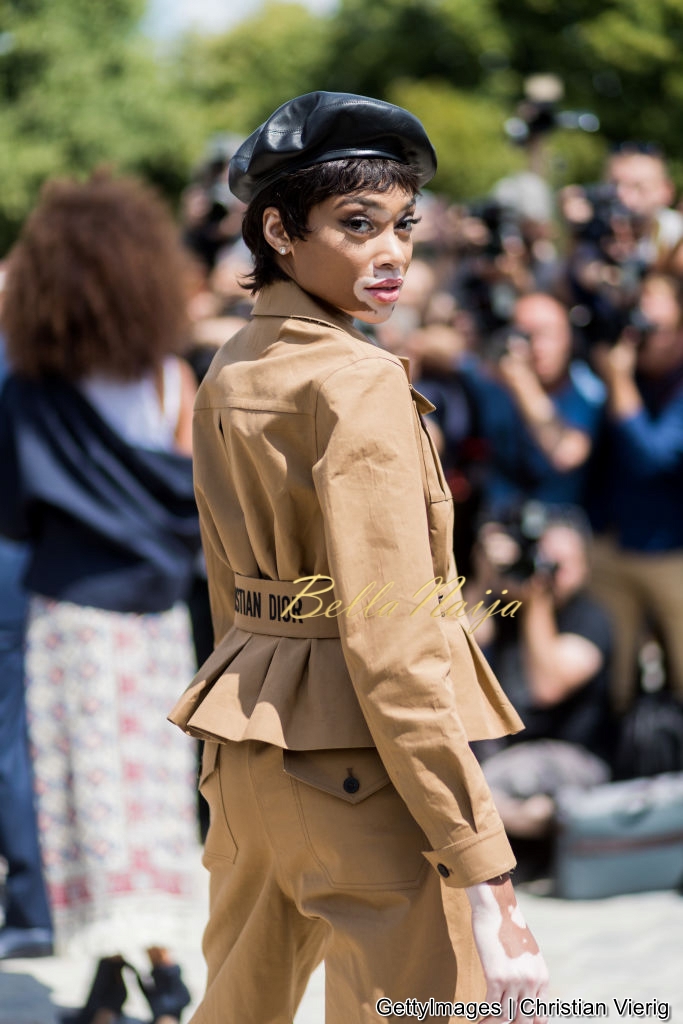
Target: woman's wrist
(488,896)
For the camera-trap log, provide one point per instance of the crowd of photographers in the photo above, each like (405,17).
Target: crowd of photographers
(547,330)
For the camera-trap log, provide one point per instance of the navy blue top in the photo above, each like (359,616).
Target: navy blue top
(518,467)
(13,556)
(637,491)
(110,525)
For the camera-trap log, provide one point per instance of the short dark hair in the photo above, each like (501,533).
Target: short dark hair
(95,282)
(295,194)
(636,147)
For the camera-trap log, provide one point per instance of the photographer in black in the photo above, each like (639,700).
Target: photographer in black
(552,659)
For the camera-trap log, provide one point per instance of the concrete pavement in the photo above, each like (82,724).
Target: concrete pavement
(627,947)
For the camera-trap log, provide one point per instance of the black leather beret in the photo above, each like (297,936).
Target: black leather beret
(321,126)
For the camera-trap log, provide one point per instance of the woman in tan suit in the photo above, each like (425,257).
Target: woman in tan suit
(349,819)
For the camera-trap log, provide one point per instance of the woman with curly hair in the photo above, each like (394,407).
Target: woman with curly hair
(96,476)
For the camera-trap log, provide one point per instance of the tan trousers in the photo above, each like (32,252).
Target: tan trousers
(636,588)
(322,869)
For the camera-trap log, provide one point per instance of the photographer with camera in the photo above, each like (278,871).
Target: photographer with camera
(558,399)
(637,485)
(622,229)
(211,216)
(505,248)
(639,174)
(552,660)
(535,411)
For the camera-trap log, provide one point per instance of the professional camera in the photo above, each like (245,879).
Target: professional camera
(524,525)
(604,323)
(502,223)
(491,230)
(539,112)
(607,266)
(638,326)
(497,344)
(600,214)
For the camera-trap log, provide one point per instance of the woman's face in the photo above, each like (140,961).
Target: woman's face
(357,252)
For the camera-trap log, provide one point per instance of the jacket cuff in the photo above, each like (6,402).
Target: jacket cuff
(473,860)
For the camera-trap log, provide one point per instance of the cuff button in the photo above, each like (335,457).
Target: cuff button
(351,785)
(443,870)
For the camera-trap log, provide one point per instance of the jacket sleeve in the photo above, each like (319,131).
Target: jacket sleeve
(369,484)
(653,446)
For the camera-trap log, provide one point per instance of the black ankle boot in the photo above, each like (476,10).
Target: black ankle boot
(107,992)
(167,995)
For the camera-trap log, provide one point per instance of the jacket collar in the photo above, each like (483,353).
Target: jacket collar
(287,299)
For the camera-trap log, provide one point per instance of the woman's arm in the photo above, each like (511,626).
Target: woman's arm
(188,391)
(556,663)
(512,962)
(368,479)
(565,446)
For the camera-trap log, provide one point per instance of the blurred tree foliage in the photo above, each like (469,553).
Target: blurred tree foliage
(238,78)
(79,86)
(466,132)
(461,65)
(375,43)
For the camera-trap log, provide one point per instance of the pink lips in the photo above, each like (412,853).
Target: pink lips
(387,290)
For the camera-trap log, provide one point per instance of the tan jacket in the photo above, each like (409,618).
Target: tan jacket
(311,459)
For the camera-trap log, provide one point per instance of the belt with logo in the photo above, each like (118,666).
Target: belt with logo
(261,607)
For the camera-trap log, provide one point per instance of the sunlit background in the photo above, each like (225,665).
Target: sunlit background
(167,18)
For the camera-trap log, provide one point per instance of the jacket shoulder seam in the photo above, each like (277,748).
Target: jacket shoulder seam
(376,355)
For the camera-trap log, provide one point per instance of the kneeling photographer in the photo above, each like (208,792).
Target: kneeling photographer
(552,660)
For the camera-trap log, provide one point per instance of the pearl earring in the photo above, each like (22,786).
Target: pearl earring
(283,250)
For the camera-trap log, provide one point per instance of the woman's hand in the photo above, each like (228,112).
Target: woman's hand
(513,965)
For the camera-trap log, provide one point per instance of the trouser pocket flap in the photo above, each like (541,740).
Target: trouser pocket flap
(352,775)
(209,759)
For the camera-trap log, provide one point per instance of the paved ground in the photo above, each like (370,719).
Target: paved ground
(625,947)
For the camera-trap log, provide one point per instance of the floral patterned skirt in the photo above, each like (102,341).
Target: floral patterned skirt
(115,782)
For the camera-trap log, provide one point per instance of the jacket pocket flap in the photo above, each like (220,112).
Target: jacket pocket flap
(352,775)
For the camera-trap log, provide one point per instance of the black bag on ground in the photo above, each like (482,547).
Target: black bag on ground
(651,737)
